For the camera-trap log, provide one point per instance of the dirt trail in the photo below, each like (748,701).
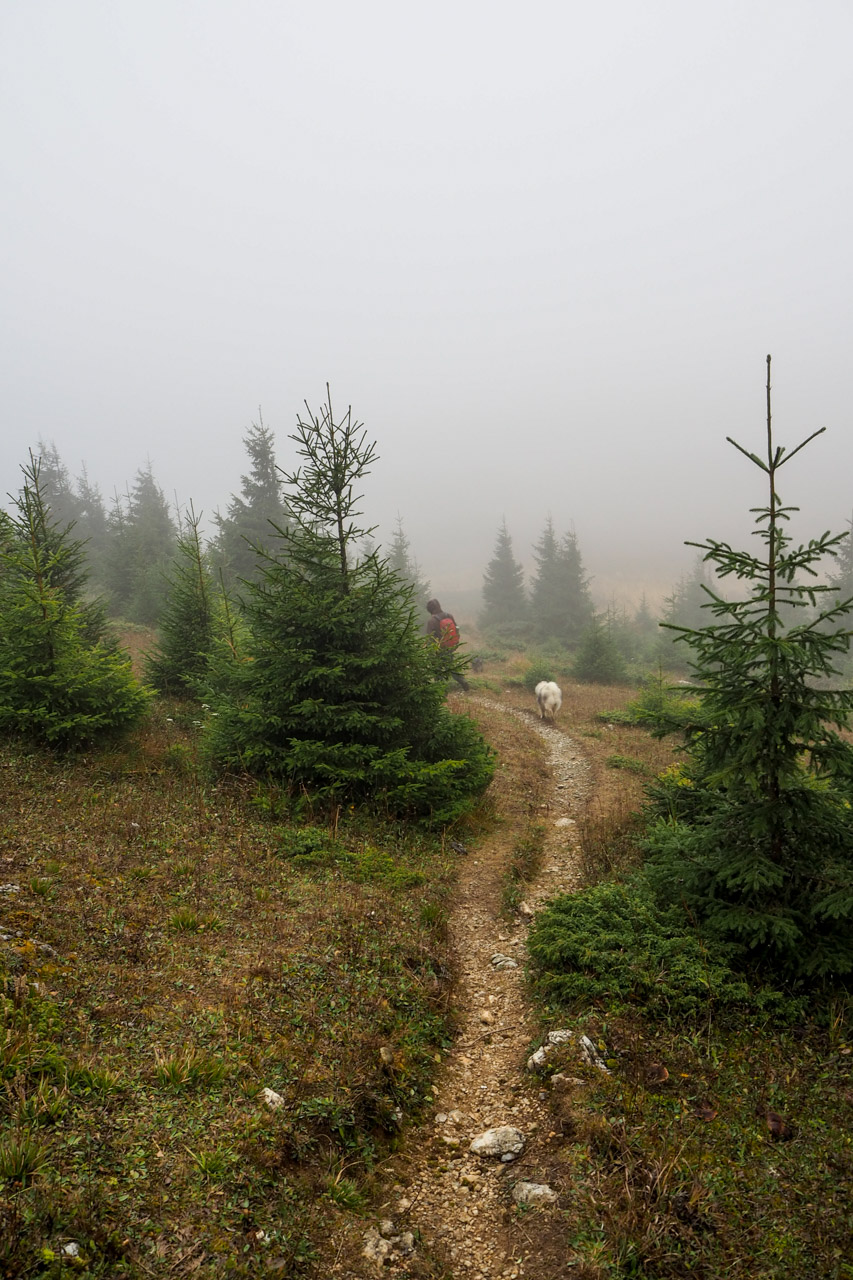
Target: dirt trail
(456,1203)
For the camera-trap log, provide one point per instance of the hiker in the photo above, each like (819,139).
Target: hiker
(443,630)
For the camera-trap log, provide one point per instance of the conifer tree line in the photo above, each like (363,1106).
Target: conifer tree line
(134,547)
(132,541)
(557,611)
(309,650)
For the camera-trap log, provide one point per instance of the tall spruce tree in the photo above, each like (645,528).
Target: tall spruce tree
(92,525)
(547,605)
(53,534)
(505,607)
(759,843)
(575,590)
(61,681)
(143,539)
(338,694)
(252,519)
(560,603)
(179,665)
(57,486)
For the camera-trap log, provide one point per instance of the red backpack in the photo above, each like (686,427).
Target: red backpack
(448,636)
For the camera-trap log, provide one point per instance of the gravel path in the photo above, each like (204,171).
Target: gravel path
(458,1205)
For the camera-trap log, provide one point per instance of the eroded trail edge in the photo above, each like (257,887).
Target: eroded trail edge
(458,1206)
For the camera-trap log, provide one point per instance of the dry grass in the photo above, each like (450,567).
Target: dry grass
(166,959)
(709,1150)
(173,947)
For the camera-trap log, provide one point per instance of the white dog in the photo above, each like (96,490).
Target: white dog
(550,698)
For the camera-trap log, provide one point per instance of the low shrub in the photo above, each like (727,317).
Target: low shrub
(613,945)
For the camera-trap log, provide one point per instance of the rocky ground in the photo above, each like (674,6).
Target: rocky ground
(449,1203)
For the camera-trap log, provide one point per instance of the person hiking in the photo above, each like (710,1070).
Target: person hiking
(442,628)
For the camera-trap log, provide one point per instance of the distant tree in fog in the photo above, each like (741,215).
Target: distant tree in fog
(547,609)
(579,607)
(504,600)
(179,665)
(56,486)
(842,575)
(92,524)
(684,607)
(400,559)
(599,659)
(142,543)
(560,600)
(252,518)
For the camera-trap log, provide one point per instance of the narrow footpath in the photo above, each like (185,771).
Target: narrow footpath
(454,1205)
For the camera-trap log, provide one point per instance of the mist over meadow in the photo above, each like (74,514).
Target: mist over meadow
(542,255)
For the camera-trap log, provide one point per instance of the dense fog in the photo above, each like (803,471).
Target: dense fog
(542,253)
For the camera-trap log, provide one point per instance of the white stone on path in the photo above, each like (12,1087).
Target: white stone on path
(504,1141)
(534,1194)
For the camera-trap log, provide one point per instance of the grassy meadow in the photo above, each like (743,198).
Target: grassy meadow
(173,946)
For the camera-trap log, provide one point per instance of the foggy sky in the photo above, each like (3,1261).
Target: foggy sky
(542,250)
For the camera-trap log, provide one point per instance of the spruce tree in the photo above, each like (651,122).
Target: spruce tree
(252,519)
(54,539)
(143,539)
(56,486)
(561,604)
(336,692)
(574,589)
(400,559)
(757,840)
(60,681)
(505,608)
(599,659)
(547,603)
(179,664)
(92,525)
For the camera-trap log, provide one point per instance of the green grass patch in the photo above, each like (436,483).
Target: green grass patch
(196,948)
(719,1142)
(629,763)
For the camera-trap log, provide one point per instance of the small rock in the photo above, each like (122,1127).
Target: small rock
(441,1118)
(386,1053)
(525,909)
(500,961)
(456,1117)
(272,1099)
(538,1058)
(71,1250)
(559,1037)
(386,1227)
(403,1205)
(561,1081)
(487,1017)
(376,1249)
(565,822)
(591,1055)
(504,1141)
(405,1243)
(534,1194)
